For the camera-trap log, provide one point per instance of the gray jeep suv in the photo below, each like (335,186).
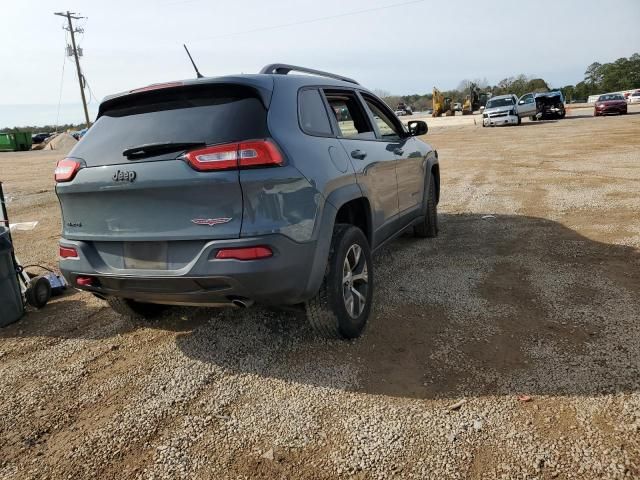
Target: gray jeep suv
(271,188)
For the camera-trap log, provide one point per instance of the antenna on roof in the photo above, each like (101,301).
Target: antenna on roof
(198,74)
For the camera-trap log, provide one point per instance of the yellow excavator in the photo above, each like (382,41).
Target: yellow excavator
(476,99)
(441,104)
(471,101)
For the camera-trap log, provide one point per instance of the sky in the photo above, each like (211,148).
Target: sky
(400,46)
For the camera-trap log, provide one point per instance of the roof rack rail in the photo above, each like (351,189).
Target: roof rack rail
(283,69)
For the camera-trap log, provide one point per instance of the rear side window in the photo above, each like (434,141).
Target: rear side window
(312,113)
(350,116)
(212,114)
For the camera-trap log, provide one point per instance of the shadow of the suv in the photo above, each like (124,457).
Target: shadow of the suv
(502,305)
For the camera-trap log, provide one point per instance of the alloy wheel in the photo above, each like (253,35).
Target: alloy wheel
(355,281)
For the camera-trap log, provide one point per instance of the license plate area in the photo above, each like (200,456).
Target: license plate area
(145,255)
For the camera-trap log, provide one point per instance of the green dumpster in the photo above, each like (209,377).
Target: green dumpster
(13,142)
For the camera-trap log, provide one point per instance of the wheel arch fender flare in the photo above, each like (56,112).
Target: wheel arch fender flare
(336,199)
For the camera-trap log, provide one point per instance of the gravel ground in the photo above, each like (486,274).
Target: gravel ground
(508,347)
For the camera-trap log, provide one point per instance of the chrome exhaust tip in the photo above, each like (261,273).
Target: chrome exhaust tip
(242,302)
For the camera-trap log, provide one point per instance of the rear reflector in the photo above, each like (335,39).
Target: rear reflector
(259,153)
(66,169)
(247,253)
(68,252)
(84,281)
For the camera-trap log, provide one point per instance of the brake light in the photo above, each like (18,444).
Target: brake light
(259,153)
(244,253)
(68,252)
(156,86)
(66,169)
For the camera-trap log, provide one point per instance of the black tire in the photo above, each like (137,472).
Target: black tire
(329,312)
(136,310)
(429,227)
(39,292)
(532,118)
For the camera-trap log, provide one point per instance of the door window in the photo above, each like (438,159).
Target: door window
(350,116)
(387,128)
(526,99)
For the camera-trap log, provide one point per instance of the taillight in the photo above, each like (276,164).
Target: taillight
(244,253)
(258,153)
(66,169)
(220,157)
(68,252)
(261,153)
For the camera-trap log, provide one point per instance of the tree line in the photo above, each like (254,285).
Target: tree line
(623,74)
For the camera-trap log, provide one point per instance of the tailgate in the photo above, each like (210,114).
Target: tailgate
(167,201)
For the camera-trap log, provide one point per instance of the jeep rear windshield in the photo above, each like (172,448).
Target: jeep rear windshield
(210,114)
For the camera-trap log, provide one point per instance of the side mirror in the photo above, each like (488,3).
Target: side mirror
(417,128)
(521,102)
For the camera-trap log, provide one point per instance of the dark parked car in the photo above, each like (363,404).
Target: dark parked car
(39,137)
(269,188)
(610,103)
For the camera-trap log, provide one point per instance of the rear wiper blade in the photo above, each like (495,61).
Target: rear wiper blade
(149,149)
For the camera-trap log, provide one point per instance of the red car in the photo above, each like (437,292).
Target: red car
(610,103)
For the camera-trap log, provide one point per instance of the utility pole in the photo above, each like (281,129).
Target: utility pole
(69,16)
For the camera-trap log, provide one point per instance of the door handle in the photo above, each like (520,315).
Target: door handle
(359,154)
(398,151)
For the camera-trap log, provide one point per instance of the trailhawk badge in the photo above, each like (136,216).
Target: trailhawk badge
(211,221)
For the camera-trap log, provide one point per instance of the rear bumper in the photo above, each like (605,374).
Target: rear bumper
(283,279)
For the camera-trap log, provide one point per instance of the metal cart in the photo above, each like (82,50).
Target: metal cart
(35,289)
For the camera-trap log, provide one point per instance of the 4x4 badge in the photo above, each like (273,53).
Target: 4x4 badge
(211,221)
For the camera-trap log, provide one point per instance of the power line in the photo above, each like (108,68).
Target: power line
(313,20)
(64,62)
(92,97)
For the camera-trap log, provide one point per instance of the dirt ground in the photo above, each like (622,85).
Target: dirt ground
(525,311)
